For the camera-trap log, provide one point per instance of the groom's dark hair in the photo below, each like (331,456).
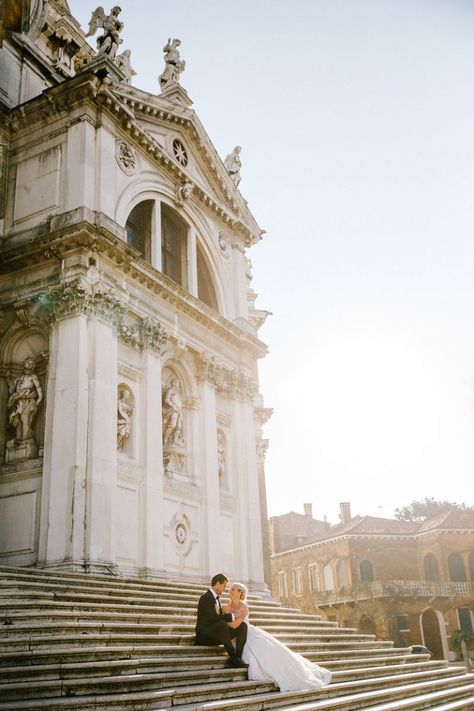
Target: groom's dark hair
(219,578)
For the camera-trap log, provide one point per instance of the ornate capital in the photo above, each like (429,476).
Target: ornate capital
(67,299)
(262,414)
(152,335)
(105,305)
(72,299)
(129,334)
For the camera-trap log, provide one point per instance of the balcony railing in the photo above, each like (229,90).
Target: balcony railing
(393,588)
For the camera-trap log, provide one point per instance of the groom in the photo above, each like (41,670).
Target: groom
(212,627)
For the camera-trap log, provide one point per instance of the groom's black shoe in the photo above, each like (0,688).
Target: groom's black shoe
(237,663)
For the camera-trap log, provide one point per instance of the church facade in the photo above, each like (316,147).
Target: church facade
(130,413)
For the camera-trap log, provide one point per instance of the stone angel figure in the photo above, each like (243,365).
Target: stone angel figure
(109,42)
(174,65)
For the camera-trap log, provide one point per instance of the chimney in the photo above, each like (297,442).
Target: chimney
(345,511)
(308,510)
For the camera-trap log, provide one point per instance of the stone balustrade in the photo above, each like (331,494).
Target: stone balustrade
(389,588)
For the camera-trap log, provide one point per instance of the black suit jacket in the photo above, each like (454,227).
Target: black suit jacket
(206,613)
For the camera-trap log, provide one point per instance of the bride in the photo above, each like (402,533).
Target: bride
(270,659)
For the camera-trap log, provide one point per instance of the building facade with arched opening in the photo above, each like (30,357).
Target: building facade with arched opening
(406,581)
(125,279)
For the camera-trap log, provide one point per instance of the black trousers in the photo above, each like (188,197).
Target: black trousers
(221,633)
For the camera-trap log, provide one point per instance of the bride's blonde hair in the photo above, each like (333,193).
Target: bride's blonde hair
(243,590)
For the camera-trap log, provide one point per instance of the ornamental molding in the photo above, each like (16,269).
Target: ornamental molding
(262,447)
(232,383)
(125,157)
(153,335)
(262,414)
(84,230)
(73,298)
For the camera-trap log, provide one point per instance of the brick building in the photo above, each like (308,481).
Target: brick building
(411,582)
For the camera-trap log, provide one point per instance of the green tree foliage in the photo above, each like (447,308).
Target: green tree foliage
(421,510)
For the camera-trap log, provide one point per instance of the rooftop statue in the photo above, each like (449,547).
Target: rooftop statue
(174,65)
(123,63)
(233,165)
(107,43)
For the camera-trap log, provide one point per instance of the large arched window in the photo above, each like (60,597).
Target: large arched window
(174,232)
(328,577)
(138,227)
(366,571)
(206,290)
(471,566)
(342,577)
(431,567)
(457,572)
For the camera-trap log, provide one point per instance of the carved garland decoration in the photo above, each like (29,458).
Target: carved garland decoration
(229,382)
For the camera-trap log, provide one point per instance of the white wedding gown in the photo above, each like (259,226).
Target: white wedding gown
(270,659)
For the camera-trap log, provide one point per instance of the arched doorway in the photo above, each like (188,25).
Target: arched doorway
(366,625)
(431,631)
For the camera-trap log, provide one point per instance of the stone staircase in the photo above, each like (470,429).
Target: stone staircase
(87,642)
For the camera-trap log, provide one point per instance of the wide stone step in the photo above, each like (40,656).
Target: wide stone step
(103,684)
(164,665)
(105,585)
(198,655)
(51,688)
(137,700)
(421,695)
(11,600)
(45,606)
(64,654)
(18,612)
(370,661)
(96,633)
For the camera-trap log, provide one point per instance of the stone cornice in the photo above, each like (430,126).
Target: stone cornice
(367,537)
(229,382)
(76,230)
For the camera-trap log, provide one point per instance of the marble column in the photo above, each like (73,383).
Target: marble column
(151,561)
(210,512)
(249,541)
(102,446)
(62,522)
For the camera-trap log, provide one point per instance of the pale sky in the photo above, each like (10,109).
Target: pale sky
(356,121)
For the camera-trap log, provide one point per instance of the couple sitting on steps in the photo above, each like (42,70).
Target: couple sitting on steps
(262,654)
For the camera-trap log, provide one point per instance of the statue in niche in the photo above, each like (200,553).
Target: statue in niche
(172,414)
(221,455)
(124,64)
(233,165)
(109,42)
(25,395)
(174,65)
(124,417)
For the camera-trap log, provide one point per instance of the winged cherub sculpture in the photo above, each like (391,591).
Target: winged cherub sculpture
(109,42)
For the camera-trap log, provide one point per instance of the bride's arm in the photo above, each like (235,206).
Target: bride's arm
(240,614)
